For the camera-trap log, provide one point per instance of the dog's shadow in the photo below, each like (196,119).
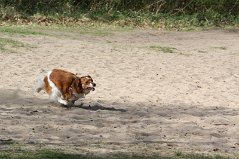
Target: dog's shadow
(96,107)
(14,97)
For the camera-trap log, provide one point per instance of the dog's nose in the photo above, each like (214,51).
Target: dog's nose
(94,84)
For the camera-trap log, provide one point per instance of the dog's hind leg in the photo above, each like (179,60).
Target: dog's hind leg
(56,96)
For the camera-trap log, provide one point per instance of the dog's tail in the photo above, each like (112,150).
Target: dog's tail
(39,83)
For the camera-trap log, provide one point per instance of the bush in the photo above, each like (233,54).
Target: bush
(201,11)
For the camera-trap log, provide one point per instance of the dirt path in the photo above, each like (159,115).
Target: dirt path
(156,92)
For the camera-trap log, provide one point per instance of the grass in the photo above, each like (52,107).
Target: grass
(152,20)
(164,49)
(57,154)
(19,29)
(6,44)
(97,29)
(56,30)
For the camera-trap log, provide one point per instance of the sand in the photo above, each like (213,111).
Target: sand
(146,100)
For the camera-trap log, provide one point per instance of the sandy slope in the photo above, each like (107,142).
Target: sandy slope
(145,101)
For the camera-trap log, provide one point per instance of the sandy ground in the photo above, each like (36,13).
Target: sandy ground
(146,100)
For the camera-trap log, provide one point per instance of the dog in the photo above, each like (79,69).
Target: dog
(65,87)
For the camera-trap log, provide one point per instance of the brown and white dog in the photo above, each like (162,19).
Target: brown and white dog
(65,87)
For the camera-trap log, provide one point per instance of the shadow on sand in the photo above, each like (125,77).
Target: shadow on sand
(96,107)
(17,97)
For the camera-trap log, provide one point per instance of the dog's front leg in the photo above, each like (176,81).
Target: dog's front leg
(62,101)
(70,104)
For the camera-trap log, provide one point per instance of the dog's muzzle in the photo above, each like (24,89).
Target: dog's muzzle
(94,85)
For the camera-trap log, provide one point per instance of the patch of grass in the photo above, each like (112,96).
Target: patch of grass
(178,153)
(6,44)
(47,154)
(9,45)
(151,20)
(91,28)
(164,49)
(20,29)
(59,30)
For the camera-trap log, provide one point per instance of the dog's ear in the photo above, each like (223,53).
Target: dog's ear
(75,83)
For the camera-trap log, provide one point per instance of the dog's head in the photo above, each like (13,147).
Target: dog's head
(83,84)
(87,84)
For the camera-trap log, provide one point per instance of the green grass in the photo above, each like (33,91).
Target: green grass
(151,20)
(6,44)
(20,29)
(114,19)
(47,154)
(97,29)
(164,49)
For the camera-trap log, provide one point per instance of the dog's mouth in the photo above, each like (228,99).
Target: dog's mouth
(91,88)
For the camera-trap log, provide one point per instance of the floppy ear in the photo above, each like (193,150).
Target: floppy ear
(75,83)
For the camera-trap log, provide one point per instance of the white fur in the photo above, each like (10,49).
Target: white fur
(56,94)
(91,85)
(39,84)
